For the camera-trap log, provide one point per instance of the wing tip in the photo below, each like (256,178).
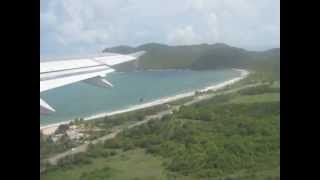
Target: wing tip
(138,54)
(45,108)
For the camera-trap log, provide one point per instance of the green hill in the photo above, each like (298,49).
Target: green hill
(199,57)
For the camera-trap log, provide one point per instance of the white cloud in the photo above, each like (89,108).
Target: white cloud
(88,25)
(213,27)
(197,5)
(48,19)
(183,36)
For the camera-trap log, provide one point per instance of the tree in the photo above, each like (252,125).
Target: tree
(62,129)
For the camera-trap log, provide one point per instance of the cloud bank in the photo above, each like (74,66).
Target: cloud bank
(82,26)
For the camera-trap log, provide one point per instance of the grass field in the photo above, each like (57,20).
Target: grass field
(267,97)
(133,164)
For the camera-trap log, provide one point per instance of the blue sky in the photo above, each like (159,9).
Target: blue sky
(75,27)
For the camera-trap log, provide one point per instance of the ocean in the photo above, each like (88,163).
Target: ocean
(130,88)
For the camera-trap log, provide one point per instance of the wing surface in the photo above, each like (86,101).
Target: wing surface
(92,70)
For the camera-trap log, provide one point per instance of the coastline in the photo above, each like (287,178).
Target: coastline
(49,129)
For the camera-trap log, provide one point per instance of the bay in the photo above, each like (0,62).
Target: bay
(130,88)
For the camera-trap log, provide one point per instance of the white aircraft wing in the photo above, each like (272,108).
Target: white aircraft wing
(54,74)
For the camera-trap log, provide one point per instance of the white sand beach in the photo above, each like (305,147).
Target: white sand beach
(49,129)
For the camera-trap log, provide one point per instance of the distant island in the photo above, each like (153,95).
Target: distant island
(201,57)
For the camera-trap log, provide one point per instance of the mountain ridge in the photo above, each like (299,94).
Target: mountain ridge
(197,57)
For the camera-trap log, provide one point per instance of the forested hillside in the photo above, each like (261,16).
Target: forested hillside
(199,57)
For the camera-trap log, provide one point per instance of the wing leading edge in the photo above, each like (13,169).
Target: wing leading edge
(54,74)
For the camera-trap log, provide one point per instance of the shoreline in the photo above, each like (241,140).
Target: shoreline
(50,128)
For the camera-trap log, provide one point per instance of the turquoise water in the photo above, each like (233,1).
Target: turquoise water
(82,100)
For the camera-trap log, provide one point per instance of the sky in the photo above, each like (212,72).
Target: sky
(75,27)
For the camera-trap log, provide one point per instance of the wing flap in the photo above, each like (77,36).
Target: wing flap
(98,82)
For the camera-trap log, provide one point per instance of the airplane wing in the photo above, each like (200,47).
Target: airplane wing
(92,70)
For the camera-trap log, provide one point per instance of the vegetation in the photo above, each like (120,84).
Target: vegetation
(100,174)
(210,140)
(227,137)
(120,120)
(132,164)
(266,97)
(201,57)
(49,147)
(93,130)
(62,129)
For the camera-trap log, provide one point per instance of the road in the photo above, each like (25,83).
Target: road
(82,148)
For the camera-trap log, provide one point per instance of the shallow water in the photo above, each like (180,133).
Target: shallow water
(82,100)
